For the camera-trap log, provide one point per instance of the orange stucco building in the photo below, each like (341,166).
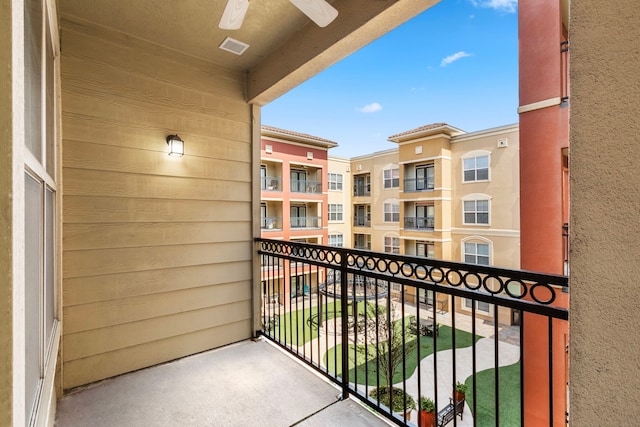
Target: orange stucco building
(544,150)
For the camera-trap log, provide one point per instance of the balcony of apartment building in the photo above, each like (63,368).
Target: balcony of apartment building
(270,215)
(271,178)
(362,185)
(418,178)
(305,216)
(362,241)
(326,351)
(305,180)
(362,215)
(419,217)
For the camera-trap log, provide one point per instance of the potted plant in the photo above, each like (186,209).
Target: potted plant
(461,390)
(427,412)
(399,401)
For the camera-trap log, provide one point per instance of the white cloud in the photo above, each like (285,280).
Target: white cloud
(370,108)
(451,58)
(509,6)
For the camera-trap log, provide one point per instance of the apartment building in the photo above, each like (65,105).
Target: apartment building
(340,208)
(442,193)
(293,202)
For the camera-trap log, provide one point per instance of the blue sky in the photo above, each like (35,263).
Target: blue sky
(456,63)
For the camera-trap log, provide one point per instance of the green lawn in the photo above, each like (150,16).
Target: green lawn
(358,374)
(509,396)
(305,322)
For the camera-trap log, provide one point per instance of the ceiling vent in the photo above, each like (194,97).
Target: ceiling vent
(233,46)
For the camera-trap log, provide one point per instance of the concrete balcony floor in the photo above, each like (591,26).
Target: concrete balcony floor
(248,383)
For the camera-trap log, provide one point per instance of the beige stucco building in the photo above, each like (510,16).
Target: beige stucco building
(340,207)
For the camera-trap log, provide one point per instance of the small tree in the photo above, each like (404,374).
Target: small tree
(385,343)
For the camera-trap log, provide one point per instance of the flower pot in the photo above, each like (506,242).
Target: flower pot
(460,396)
(427,419)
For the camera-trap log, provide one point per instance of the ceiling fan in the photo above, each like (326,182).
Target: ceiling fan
(319,11)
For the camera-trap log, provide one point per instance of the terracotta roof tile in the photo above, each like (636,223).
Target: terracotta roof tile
(297,134)
(420,129)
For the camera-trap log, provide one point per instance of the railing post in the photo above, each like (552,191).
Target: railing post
(344,307)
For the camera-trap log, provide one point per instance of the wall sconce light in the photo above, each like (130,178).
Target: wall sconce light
(176,145)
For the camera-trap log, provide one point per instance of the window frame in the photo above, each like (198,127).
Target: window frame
(394,178)
(337,183)
(391,211)
(474,156)
(336,236)
(391,244)
(476,213)
(338,213)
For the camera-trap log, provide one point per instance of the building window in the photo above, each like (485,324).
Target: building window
(391,212)
(391,178)
(298,216)
(481,306)
(335,212)
(299,285)
(392,245)
(425,249)
(476,168)
(476,212)
(335,240)
(476,253)
(335,181)
(362,241)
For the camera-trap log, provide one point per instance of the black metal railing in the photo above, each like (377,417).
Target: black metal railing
(361,190)
(419,223)
(418,184)
(361,221)
(360,323)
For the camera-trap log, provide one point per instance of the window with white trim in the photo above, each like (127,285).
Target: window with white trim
(476,212)
(475,168)
(391,178)
(392,245)
(335,212)
(335,181)
(476,253)
(392,212)
(336,240)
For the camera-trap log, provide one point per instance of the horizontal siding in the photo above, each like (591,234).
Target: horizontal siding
(157,251)
(85,290)
(96,341)
(104,365)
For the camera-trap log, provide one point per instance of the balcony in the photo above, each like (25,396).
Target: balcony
(419,223)
(271,223)
(305,186)
(313,222)
(363,314)
(270,183)
(361,221)
(412,185)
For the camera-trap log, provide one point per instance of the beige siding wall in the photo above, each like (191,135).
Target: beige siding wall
(157,249)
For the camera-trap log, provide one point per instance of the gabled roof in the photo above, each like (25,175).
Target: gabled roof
(289,135)
(432,129)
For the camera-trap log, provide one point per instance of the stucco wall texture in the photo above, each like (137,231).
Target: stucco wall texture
(605,213)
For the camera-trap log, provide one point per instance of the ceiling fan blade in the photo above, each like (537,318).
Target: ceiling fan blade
(319,11)
(233,14)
